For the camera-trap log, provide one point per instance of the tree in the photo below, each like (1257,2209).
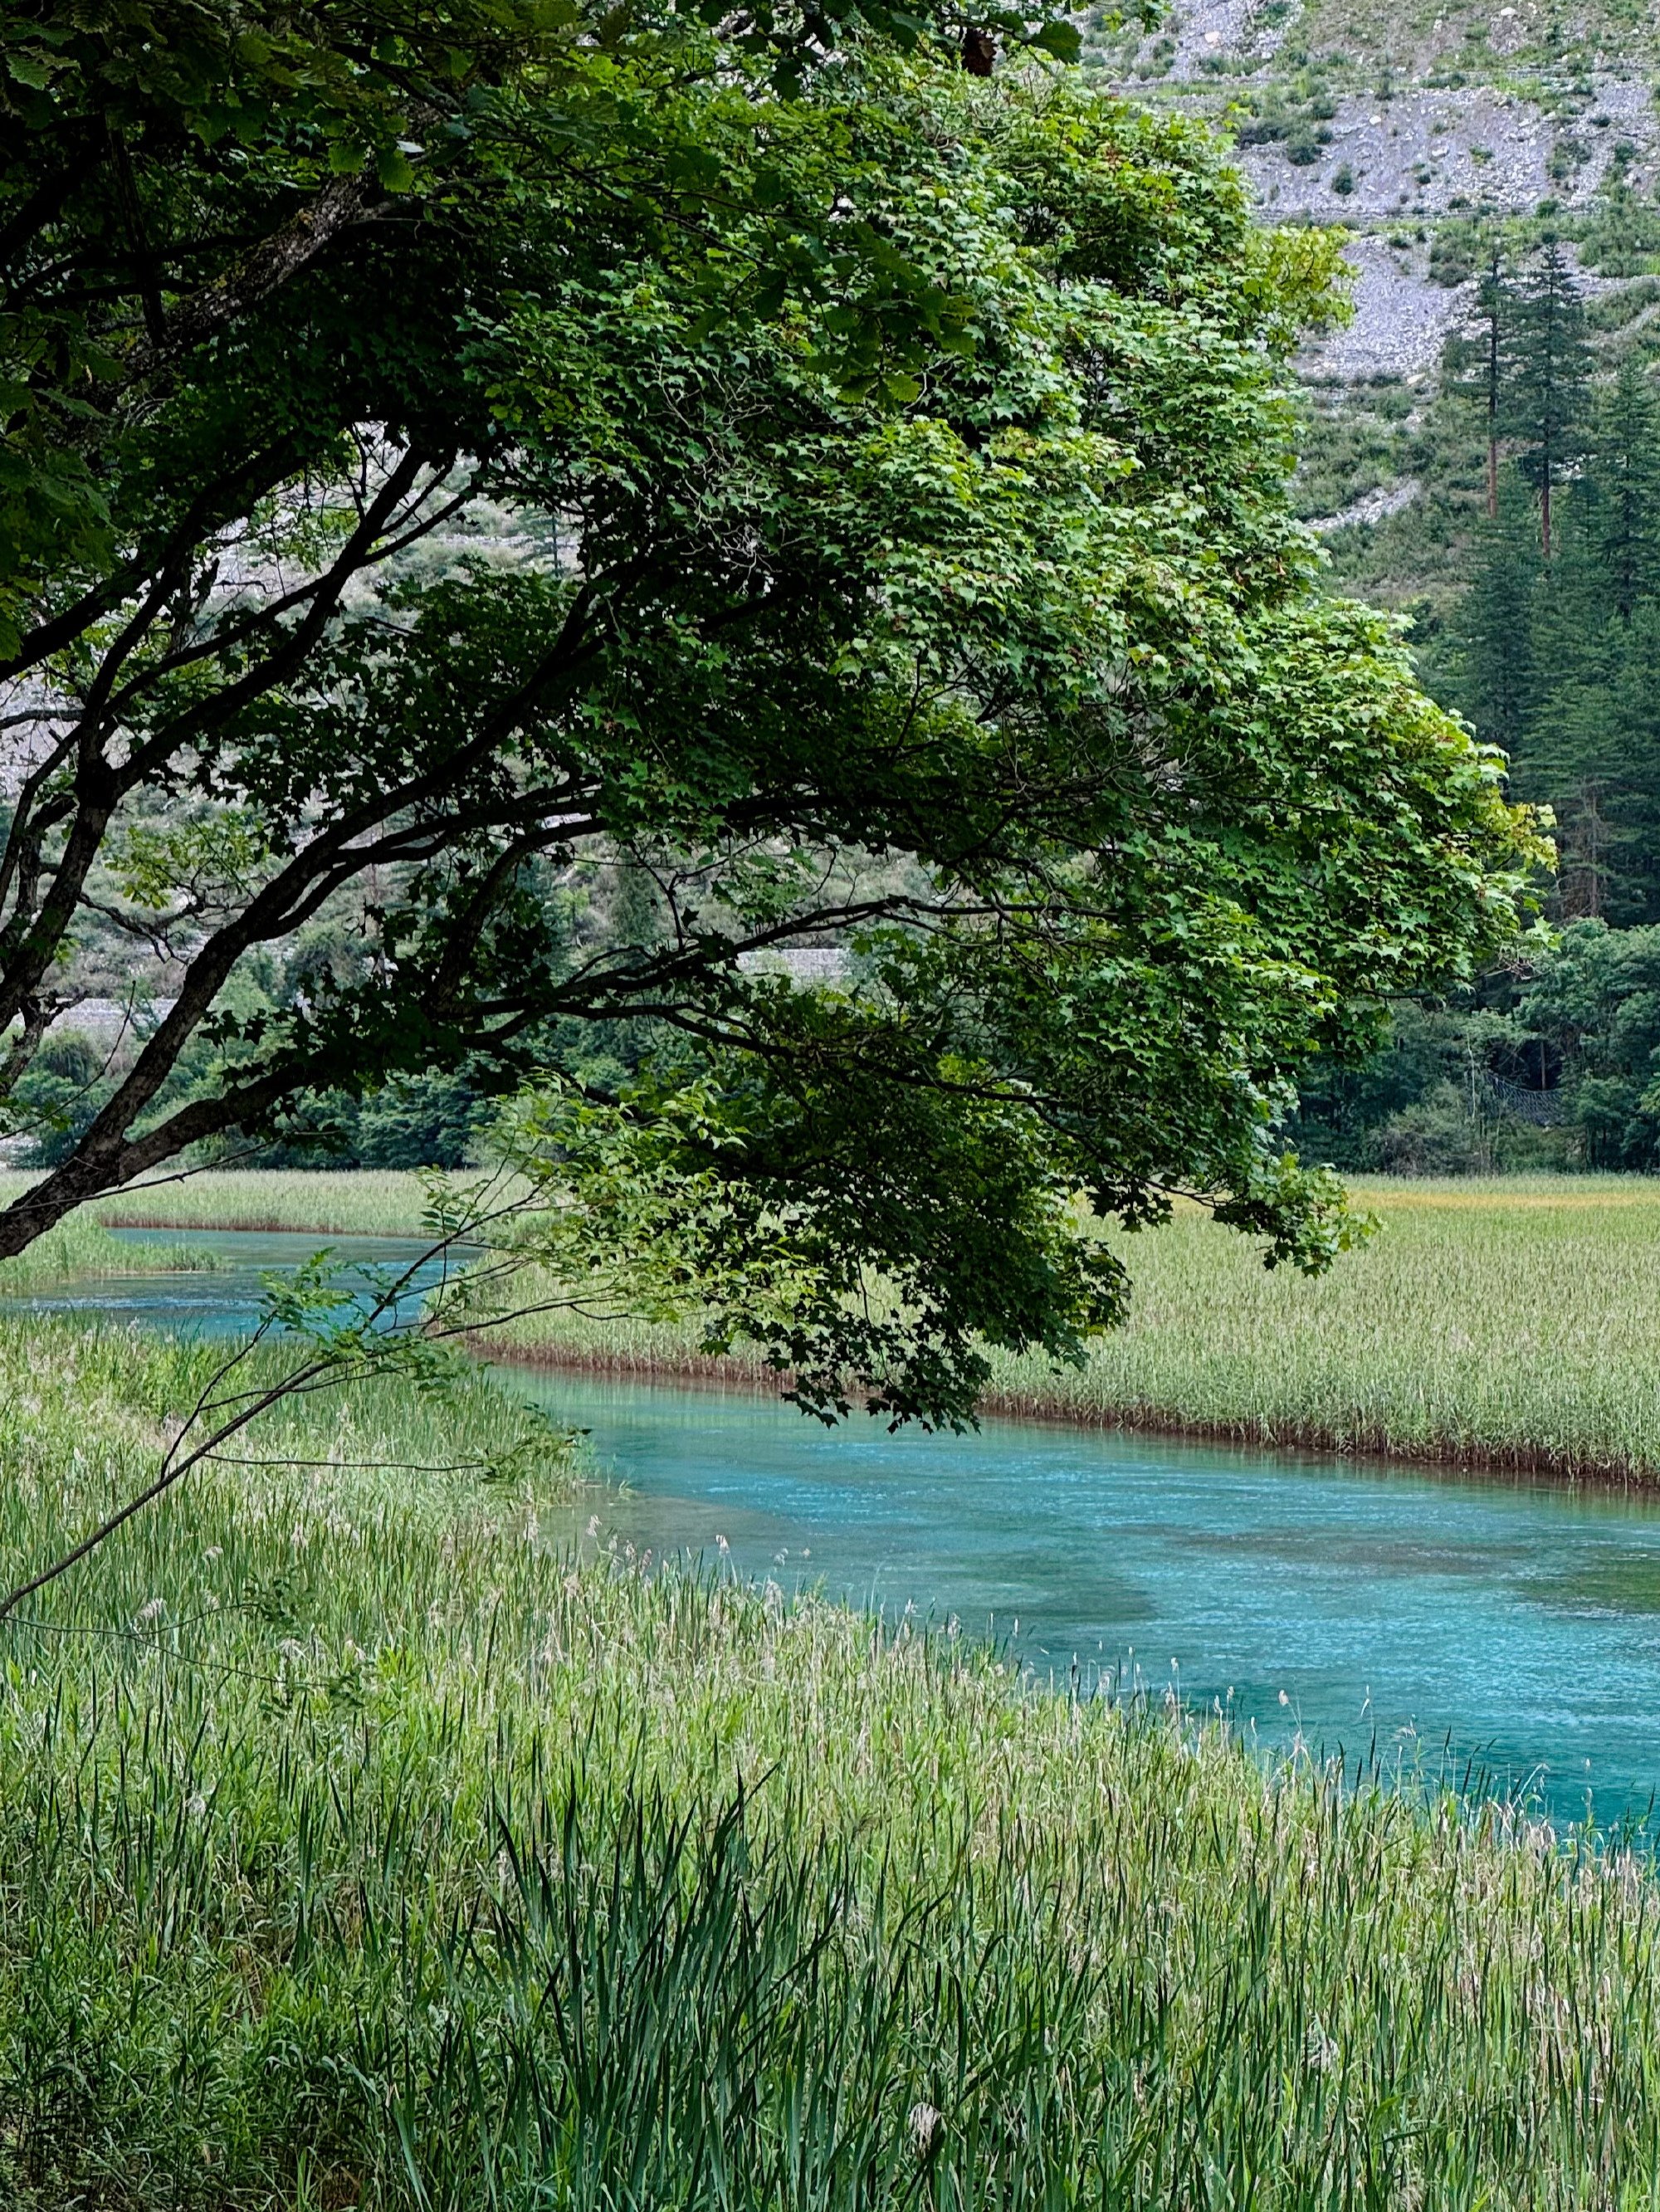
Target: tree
(1474,360)
(1496,678)
(1596,997)
(1558,663)
(1622,488)
(487,444)
(1548,377)
(1595,760)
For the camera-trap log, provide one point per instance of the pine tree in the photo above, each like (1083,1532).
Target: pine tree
(1591,747)
(1561,746)
(1622,489)
(1545,379)
(1591,753)
(1491,630)
(1555,647)
(1473,364)
(1634,744)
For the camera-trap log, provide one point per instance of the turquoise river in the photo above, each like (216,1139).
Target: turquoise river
(1503,1633)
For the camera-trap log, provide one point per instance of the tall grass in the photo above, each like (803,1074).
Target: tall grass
(358,1847)
(341,1202)
(1503,1325)
(81,1247)
(1509,1325)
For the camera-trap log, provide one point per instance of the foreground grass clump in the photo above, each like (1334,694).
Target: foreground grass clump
(357,1848)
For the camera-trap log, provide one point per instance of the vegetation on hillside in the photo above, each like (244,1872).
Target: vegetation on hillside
(1550,1063)
(1537,460)
(1547,51)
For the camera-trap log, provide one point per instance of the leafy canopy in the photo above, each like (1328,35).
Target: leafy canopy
(464,460)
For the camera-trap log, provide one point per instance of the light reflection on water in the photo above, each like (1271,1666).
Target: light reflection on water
(1516,1627)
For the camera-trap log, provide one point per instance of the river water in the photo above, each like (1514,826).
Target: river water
(1505,1632)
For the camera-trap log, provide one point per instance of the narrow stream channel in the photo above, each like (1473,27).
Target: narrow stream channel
(1510,1631)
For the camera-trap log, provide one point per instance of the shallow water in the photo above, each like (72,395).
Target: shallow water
(1510,1630)
(227,1298)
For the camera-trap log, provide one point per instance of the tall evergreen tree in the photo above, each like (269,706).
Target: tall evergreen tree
(1493,627)
(1634,744)
(1547,378)
(1592,744)
(1473,363)
(1592,755)
(1621,488)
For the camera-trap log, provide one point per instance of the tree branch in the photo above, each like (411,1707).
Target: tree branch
(275,261)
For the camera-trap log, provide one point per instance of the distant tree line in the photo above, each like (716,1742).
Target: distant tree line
(427,1117)
(1553,654)
(1553,1063)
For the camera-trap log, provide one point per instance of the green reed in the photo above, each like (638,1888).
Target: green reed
(1507,1324)
(82,1247)
(339,1202)
(361,1845)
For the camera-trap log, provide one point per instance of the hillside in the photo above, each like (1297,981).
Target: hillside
(1417,126)
(1481,454)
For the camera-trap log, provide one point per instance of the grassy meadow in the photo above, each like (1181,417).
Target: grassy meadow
(1509,1325)
(343,1202)
(82,1247)
(361,1847)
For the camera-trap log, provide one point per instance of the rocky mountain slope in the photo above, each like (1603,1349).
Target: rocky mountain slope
(1419,125)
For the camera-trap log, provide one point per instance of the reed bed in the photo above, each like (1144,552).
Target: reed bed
(1505,1325)
(361,1847)
(339,1202)
(82,1248)
(1508,1325)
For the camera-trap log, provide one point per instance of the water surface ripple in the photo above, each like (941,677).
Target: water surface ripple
(1449,1621)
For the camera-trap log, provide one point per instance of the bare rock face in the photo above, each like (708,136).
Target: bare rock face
(1407,122)
(1402,318)
(1437,153)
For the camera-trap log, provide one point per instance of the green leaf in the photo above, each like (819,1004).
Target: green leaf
(1059,39)
(865,548)
(394,169)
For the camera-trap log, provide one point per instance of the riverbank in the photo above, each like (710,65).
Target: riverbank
(82,1250)
(323,1202)
(1504,1328)
(363,1847)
